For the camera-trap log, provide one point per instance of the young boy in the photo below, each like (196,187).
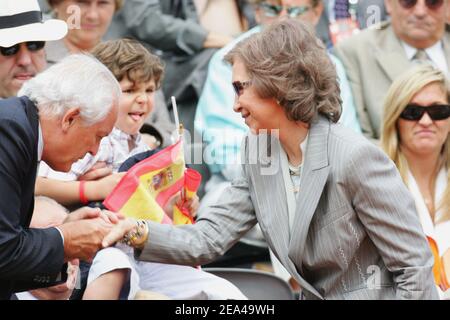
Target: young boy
(139,74)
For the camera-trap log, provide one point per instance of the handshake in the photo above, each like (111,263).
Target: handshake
(88,230)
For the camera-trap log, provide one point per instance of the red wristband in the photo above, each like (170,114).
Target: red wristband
(83,198)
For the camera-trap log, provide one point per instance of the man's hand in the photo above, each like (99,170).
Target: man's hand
(83,238)
(92,213)
(83,213)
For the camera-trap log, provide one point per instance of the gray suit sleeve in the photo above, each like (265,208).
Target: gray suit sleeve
(217,230)
(387,210)
(147,22)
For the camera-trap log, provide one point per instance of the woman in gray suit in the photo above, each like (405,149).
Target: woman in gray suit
(330,204)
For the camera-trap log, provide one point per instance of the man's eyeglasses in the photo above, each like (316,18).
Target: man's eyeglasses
(415,112)
(272,11)
(31,45)
(431,4)
(239,86)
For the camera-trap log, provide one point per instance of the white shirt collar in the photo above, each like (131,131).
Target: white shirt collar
(303,146)
(40,143)
(435,53)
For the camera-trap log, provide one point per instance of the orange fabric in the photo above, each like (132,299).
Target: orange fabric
(440,277)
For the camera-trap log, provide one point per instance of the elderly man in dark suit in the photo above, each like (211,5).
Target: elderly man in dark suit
(50,122)
(60,115)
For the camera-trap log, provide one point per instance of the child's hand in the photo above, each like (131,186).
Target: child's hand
(173,200)
(191,205)
(100,189)
(98,171)
(150,140)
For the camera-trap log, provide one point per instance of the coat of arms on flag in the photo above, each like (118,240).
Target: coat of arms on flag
(147,187)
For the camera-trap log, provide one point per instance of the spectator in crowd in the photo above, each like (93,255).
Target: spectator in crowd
(417,31)
(50,122)
(85,30)
(415,135)
(339,15)
(95,19)
(139,74)
(306,194)
(48,213)
(172,28)
(22,53)
(239,16)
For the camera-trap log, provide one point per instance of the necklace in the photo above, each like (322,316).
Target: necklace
(294,172)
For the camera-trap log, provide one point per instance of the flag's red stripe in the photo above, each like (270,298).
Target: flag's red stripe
(163,196)
(128,184)
(121,193)
(158,161)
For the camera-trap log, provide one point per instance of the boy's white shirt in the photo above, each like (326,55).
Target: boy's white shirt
(113,150)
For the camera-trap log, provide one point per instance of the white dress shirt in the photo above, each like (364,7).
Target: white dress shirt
(40,151)
(435,53)
(295,181)
(439,232)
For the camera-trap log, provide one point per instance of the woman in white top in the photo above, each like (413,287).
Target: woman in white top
(415,135)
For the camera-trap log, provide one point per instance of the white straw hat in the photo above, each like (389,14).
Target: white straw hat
(21,21)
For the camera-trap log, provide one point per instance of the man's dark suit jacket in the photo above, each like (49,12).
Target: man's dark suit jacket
(29,258)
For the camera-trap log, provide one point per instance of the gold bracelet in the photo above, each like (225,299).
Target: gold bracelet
(137,237)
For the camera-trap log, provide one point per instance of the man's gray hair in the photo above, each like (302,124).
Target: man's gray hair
(79,80)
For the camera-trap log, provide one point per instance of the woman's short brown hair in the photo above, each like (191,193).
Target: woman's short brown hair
(287,62)
(128,57)
(53,3)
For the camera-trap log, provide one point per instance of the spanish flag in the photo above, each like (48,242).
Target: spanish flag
(147,186)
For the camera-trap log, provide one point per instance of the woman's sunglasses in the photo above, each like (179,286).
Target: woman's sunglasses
(273,11)
(415,112)
(431,4)
(239,86)
(31,45)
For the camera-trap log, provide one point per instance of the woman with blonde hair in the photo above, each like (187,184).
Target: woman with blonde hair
(415,135)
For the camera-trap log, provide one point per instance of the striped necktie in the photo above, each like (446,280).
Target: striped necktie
(421,55)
